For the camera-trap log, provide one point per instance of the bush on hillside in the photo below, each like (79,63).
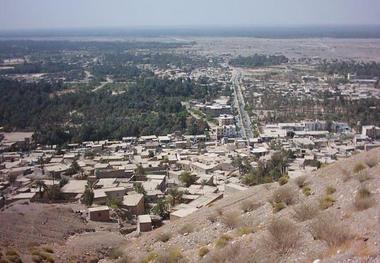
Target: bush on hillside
(306,211)
(283,235)
(328,227)
(326,201)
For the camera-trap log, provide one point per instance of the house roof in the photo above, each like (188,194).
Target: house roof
(23,196)
(98,209)
(144,219)
(132,199)
(184,212)
(74,186)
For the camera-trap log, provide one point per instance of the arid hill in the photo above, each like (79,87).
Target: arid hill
(331,215)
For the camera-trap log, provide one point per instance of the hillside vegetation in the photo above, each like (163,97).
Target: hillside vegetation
(331,215)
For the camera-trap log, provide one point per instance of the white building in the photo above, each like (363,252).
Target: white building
(226,119)
(226,131)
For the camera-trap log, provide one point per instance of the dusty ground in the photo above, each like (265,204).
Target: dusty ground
(24,226)
(362,243)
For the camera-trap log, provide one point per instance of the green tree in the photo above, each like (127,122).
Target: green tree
(74,168)
(187,178)
(41,162)
(12,178)
(174,196)
(161,209)
(113,203)
(250,179)
(139,188)
(242,164)
(88,195)
(41,186)
(54,193)
(63,181)
(140,171)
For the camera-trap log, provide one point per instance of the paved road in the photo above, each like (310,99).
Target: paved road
(244,120)
(102,84)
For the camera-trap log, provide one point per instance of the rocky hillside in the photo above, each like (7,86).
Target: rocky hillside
(331,215)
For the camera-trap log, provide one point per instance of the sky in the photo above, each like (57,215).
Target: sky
(65,14)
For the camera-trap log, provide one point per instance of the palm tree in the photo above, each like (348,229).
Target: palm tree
(139,188)
(237,162)
(175,196)
(187,178)
(139,171)
(41,163)
(88,195)
(41,185)
(161,209)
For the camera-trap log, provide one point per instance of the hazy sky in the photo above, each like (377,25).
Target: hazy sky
(34,14)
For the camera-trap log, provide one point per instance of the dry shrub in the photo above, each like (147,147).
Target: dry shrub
(219,211)
(11,252)
(326,201)
(346,175)
(230,253)
(116,253)
(330,190)
(231,219)
(332,251)
(305,211)
(365,250)
(329,228)
(364,192)
(277,207)
(203,251)
(11,255)
(222,241)
(248,206)
(300,181)
(363,176)
(363,199)
(283,180)
(284,194)
(47,257)
(164,236)
(36,259)
(48,250)
(364,203)
(94,259)
(212,217)
(372,161)
(283,235)
(171,255)
(123,259)
(186,228)
(306,190)
(151,257)
(244,230)
(358,168)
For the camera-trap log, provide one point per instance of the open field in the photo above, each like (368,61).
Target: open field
(325,48)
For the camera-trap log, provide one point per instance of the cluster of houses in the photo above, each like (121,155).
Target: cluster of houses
(110,168)
(137,173)
(317,140)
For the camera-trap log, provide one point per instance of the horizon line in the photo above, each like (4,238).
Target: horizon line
(150,27)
